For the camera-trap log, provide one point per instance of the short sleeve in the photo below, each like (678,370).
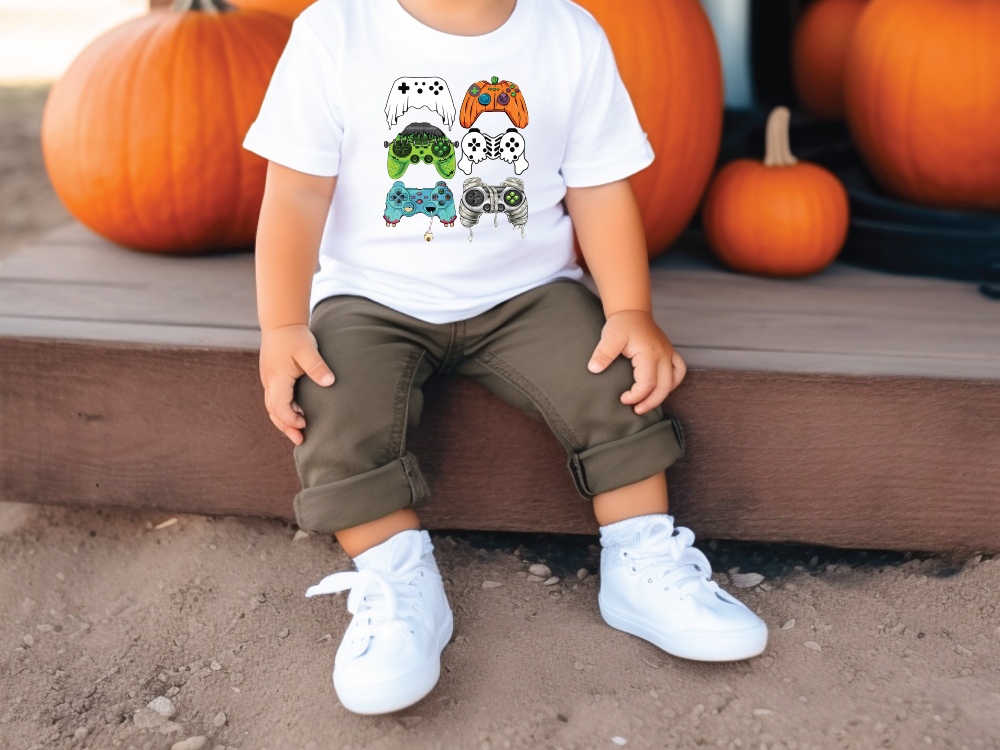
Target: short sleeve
(606,142)
(299,124)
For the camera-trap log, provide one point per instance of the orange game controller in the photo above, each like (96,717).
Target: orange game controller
(494,96)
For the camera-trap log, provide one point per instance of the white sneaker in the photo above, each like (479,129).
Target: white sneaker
(655,585)
(390,656)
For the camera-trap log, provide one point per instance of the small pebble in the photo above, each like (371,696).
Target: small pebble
(62,577)
(789,625)
(492,584)
(580,666)
(746,580)
(582,573)
(171,727)
(29,640)
(191,743)
(551,581)
(80,734)
(220,719)
(165,524)
(542,571)
(762,712)
(172,692)
(962,650)
(812,646)
(163,706)
(215,666)
(535,579)
(620,741)
(300,535)
(283,633)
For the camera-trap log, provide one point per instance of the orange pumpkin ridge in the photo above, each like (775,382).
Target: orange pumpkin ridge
(781,217)
(142,136)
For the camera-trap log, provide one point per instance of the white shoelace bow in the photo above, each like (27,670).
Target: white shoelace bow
(670,558)
(373,601)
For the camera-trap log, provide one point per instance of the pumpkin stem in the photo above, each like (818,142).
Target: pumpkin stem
(208,6)
(779,151)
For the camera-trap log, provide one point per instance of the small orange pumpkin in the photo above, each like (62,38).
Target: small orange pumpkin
(819,48)
(142,136)
(922,88)
(780,218)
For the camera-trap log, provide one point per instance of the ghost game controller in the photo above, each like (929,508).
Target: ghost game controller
(494,95)
(403,201)
(477,146)
(507,198)
(421,142)
(411,92)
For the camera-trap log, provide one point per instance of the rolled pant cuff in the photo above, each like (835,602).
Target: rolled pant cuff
(639,456)
(332,507)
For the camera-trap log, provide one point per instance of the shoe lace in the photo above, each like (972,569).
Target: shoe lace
(666,556)
(375,598)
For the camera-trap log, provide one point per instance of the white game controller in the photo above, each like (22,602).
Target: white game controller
(477,146)
(413,93)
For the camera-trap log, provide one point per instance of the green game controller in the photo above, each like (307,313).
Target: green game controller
(421,142)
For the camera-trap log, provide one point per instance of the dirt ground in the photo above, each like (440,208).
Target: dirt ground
(101,612)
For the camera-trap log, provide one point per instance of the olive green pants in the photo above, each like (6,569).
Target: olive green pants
(531,351)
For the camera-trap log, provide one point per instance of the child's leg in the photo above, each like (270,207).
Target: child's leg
(641,498)
(654,583)
(360,483)
(358,539)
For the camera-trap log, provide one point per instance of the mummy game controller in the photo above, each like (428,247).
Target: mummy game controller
(508,146)
(421,142)
(494,96)
(409,92)
(403,201)
(479,198)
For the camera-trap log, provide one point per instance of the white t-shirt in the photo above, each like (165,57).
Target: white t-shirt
(406,116)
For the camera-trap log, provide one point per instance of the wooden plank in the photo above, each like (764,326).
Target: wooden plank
(902,463)
(851,320)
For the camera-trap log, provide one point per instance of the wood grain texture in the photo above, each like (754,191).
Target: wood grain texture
(847,461)
(852,408)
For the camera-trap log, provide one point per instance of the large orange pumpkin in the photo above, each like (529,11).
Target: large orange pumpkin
(780,218)
(290,9)
(922,87)
(819,48)
(668,59)
(142,135)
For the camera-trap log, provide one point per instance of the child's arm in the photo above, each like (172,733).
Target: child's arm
(609,228)
(292,217)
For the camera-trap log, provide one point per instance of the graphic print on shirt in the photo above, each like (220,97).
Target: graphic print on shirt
(437,201)
(508,198)
(421,142)
(494,96)
(508,146)
(413,93)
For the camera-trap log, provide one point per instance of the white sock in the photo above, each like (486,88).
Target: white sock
(627,532)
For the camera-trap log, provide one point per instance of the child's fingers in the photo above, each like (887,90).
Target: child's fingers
(312,364)
(645,378)
(664,384)
(291,433)
(608,349)
(279,404)
(680,369)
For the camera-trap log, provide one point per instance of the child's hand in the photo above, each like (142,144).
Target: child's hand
(286,353)
(658,368)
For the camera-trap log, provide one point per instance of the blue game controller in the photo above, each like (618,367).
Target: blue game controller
(403,201)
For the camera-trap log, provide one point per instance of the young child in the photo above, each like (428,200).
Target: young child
(510,117)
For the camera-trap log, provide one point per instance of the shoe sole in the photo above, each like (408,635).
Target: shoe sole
(400,693)
(733,645)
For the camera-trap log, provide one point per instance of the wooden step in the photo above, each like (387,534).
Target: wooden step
(854,408)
